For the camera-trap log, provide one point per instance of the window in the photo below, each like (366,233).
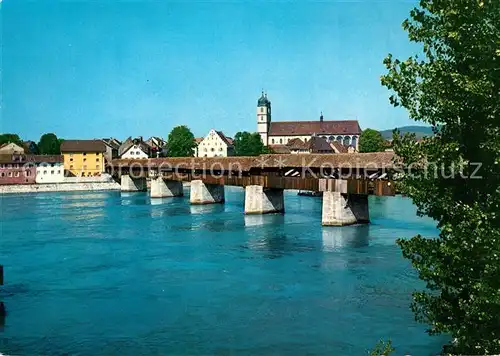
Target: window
(354,141)
(261,109)
(132,152)
(71,154)
(9,165)
(97,166)
(339,139)
(51,172)
(212,149)
(85,166)
(281,140)
(17,174)
(52,164)
(347,140)
(58,171)
(3,174)
(272,140)
(28,173)
(71,159)
(71,167)
(220,149)
(97,159)
(10,174)
(84,153)
(16,166)
(84,160)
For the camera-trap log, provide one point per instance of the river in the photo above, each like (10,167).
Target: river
(109,273)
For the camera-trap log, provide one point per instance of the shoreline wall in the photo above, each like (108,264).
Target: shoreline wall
(58,187)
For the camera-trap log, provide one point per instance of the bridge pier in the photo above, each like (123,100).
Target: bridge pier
(344,209)
(129,184)
(260,200)
(203,193)
(161,188)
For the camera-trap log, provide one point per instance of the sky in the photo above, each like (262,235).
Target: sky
(89,69)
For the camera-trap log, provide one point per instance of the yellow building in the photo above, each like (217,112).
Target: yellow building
(83,158)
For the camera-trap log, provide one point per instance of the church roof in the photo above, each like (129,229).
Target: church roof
(294,128)
(263,100)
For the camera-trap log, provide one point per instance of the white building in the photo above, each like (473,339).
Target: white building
(345,132)
(134,149)
(215,144)
(49,169)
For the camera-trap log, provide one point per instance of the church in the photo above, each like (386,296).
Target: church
(340,132)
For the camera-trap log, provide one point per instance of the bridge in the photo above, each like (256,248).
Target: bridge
(345,180)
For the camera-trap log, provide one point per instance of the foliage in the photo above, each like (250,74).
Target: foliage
(11,138)
(49,145)
(248,144)
(180,142)
(455,88)
(371,141)
(383,348)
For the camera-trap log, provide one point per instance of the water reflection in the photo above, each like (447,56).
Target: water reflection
(3,315)
(206,208)
(161,201)
(335,238)
(135,198)
(263,219)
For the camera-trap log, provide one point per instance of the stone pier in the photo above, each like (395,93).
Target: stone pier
(161,188)
(260,200)
(344,209)
(129,184)
(202,193)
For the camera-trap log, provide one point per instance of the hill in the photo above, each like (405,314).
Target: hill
(419,131)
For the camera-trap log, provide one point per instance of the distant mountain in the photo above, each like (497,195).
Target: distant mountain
(419,131)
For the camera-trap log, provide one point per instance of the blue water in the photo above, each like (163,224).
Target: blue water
(107,273)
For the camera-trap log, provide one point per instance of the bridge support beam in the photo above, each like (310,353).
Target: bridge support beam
(344,209)
(260,200)
(202,193)
(161,188)
(129,184)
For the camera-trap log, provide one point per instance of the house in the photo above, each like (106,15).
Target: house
(157,144)
(134,149)
(83,158)
(49,168)
(215,144)
(197,142)
(112,147)
(316,144)
(11,148)
(15,170)
(346,132)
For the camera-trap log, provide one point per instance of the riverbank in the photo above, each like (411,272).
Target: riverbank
(59,187)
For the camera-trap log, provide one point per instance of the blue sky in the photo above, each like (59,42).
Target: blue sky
(86,69)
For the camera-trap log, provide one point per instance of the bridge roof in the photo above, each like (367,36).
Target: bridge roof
(374,161)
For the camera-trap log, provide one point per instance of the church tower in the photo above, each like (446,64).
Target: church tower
(263,117)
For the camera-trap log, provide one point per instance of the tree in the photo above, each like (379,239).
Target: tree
(49,145)
(455,88)
(11,138)
(248,144)
(371,141)
(180,142)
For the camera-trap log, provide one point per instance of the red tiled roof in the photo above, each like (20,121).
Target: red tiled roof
(319,145)
(293,128)
(297,144)
(83,146)
(227,140)
(279,149)
(338,147)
